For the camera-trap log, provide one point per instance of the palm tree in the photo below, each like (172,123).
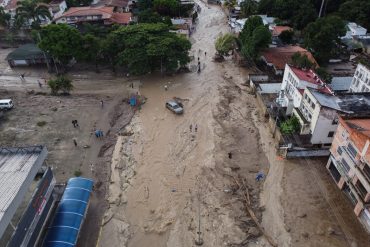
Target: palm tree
(30,11)
(4,18)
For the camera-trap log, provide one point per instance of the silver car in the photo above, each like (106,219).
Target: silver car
(174,106)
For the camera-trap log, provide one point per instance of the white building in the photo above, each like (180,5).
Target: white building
(294,82)
(57,8)
(361,79)
(318,113)
(354,30)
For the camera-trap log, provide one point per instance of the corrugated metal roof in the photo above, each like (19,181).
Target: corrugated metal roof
(69,216)
(18,167)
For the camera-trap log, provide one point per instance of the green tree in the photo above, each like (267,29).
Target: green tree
(148,47)
(286,36)
(92,50)
(357,11)
(322,36)
(166,7)
(31,11)
(254,37)
(266,7)
(4,18)
(301,61)
(149,16)
(61,83)
(78,3)
(290,126)
(248,8)
(305,14)
(224,44)
(61,41)
(145,4)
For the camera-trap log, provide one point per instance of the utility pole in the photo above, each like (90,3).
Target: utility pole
(45,57)
(199,241)
(322,6)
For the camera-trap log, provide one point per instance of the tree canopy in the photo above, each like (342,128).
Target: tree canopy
(4,18)
(248,8)
(32,11)
(224,44)
(301,61)
(61,41)
(140,48)
(357,11)
(322,36)
(254,37)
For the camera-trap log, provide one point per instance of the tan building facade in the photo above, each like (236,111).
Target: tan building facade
(349,164)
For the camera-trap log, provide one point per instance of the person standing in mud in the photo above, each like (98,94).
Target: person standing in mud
(191,127)
(102,103)
(196,128)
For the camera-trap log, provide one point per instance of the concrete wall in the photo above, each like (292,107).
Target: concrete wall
(324,125)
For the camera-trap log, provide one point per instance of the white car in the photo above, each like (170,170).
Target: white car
(6,104)
(174,107)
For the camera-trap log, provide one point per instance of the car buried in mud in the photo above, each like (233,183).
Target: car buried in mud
(175,107)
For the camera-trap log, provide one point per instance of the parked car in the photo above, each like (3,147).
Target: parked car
(6,104)
(174,106)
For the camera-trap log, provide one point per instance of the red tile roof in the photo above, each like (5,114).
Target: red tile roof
(359,132)
(12,4)
(279,56)
(310,77)
(106,12)
(121,18)
(277,30)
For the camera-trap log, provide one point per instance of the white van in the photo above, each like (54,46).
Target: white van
(6,104)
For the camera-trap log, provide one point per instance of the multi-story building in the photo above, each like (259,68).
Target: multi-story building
(361,79)
(318,113)
(349,163)
(294,82)
(100,15)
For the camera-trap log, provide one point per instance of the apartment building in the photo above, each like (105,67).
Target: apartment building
(318,113)
(349,163)
(294,82)
(361,79)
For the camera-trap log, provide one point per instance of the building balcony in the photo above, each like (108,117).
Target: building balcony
(305,124)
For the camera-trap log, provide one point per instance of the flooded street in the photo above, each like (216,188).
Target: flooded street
(164,166)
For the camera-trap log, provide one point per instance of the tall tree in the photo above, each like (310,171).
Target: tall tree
(357,11)
(166,7)
(254,37)
(4,18)
(32,11)
(305,15)
(322,36)
(248,8)
(148,47)
(61,41)
(224,44)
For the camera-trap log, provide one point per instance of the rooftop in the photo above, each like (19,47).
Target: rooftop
(18,167)
(27,51)
(311,77)
(359,125)
(121,18)
(105,12)
(350,104)
(341,83)
(279,56)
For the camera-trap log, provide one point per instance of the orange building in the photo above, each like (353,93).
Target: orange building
(349,163)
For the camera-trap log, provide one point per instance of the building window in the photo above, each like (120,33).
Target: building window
(345,166)
(339,150)
(313,105)
(331,134)
(309,116)
(335,121)
(351,149)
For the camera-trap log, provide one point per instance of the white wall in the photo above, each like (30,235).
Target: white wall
(323,126)
(361,79)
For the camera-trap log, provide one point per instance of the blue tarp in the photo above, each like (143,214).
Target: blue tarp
(64,230)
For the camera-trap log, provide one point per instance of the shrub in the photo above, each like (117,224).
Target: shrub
(290,125)
(41,123)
